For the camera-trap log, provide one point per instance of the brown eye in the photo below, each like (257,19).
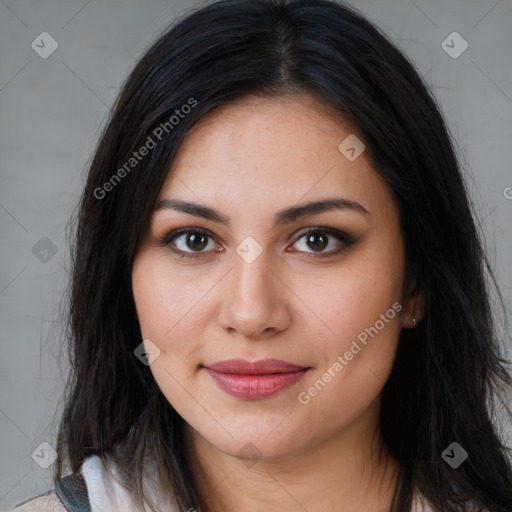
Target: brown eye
(317,240)
(196,241)
(189,243)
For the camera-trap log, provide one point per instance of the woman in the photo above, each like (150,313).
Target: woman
(278,296)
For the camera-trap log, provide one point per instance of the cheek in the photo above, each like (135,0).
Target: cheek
(361,313)
(167,301)
(168,308)
(169,311)
(364,325)
(353,296)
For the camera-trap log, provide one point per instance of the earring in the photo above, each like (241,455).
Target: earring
(413,321)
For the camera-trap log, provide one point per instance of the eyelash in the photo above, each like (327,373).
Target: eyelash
(342,237)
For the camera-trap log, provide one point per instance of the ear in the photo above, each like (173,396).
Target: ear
(414,307)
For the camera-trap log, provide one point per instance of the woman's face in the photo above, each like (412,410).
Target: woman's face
(258,272)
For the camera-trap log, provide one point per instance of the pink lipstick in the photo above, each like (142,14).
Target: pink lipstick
(254,380)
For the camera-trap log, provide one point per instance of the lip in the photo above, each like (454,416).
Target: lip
(254,380)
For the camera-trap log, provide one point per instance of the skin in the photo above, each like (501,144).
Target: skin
(294,302)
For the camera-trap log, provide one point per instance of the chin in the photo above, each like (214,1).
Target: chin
(253,445)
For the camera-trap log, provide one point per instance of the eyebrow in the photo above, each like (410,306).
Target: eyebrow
(285,216)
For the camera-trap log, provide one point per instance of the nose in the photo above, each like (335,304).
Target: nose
(256,300)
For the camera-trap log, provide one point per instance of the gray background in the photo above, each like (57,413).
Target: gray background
(52,110)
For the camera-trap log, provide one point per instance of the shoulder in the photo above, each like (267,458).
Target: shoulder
(48,502)
(107,492)
(104,491)
(96,485)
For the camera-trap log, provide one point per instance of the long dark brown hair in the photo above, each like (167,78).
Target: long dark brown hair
(448,370)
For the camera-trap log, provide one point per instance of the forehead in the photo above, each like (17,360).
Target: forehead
(260,152)
(256,129)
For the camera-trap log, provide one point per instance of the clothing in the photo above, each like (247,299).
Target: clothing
(107,495)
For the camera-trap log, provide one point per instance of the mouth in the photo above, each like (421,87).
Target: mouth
(254,380)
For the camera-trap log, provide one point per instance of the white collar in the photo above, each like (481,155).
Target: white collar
(106,494)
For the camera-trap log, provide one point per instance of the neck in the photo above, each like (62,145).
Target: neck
(351,471)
